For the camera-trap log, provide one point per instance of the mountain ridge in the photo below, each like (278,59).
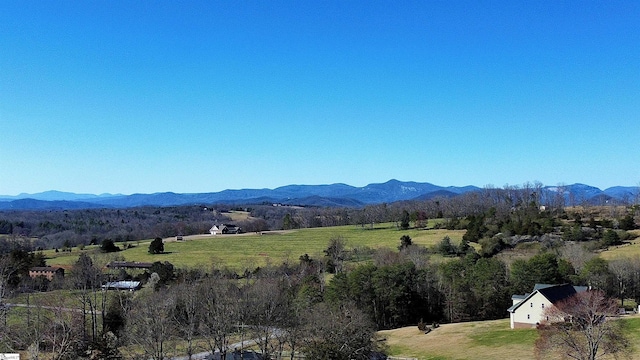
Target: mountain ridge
(337,194)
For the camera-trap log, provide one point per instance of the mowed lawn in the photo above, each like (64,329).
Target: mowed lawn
(477,340)
(248,251)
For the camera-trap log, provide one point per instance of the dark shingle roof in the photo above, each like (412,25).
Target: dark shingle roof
(45,268)
(553,293)
(542,286)
(558,292)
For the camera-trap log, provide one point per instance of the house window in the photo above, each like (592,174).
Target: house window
(531,304)
(543,306)
(528,316)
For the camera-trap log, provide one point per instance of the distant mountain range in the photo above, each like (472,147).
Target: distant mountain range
(336,195)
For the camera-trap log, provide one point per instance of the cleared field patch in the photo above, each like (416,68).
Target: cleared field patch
(238,215)
(247,251)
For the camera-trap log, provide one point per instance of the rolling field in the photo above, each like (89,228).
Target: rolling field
(476,340)
(472,340)
(247,251)
(628,250)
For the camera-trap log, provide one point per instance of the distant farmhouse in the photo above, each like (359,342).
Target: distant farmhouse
(49,272)
(527,310)
(225,229)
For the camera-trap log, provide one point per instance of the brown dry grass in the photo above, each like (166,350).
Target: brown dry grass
(462,341)
(627,250)
(478,340)
(597,212)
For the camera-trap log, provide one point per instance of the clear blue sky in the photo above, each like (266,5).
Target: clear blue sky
(150,96)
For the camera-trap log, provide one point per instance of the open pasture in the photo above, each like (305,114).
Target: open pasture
(630,249)
(238,215)
(476,340)
(472,340)
(247,251)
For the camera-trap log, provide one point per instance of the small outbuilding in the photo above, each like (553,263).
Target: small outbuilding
(122,285)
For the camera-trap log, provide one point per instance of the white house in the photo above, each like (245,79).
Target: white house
(224,229)
(527,310)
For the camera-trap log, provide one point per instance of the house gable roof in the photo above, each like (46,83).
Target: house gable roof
(225,227)
(519,297)
(542,286)
(553,293)
(122,285)
(558,293)
(46,268)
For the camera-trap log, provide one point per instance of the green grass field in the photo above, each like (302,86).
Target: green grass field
(477,340)
(247,251)
(630,249)
(472,340)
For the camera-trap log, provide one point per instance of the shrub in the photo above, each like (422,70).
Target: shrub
(422,326)
(610,238)
(446,248)
(627,223)
(156,246)
(108,246)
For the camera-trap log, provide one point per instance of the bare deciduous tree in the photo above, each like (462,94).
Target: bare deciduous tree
(186,314)
(338,333)
(219,313)
(336,253)
(265,306)
(623,271)
(4,276)
(577,255)
(150,325)
(87,278)
(581,328)
(62,328)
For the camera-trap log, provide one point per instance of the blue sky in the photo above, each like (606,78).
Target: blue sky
(148,96)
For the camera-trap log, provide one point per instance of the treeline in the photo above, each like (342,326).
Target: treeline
(68,228)
(512,210)
(402,288)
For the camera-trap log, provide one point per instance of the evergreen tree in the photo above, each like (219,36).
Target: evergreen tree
(156,246)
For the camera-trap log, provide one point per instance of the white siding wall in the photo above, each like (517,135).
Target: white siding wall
(530,312)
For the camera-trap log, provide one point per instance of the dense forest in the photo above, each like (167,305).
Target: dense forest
(297,306)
